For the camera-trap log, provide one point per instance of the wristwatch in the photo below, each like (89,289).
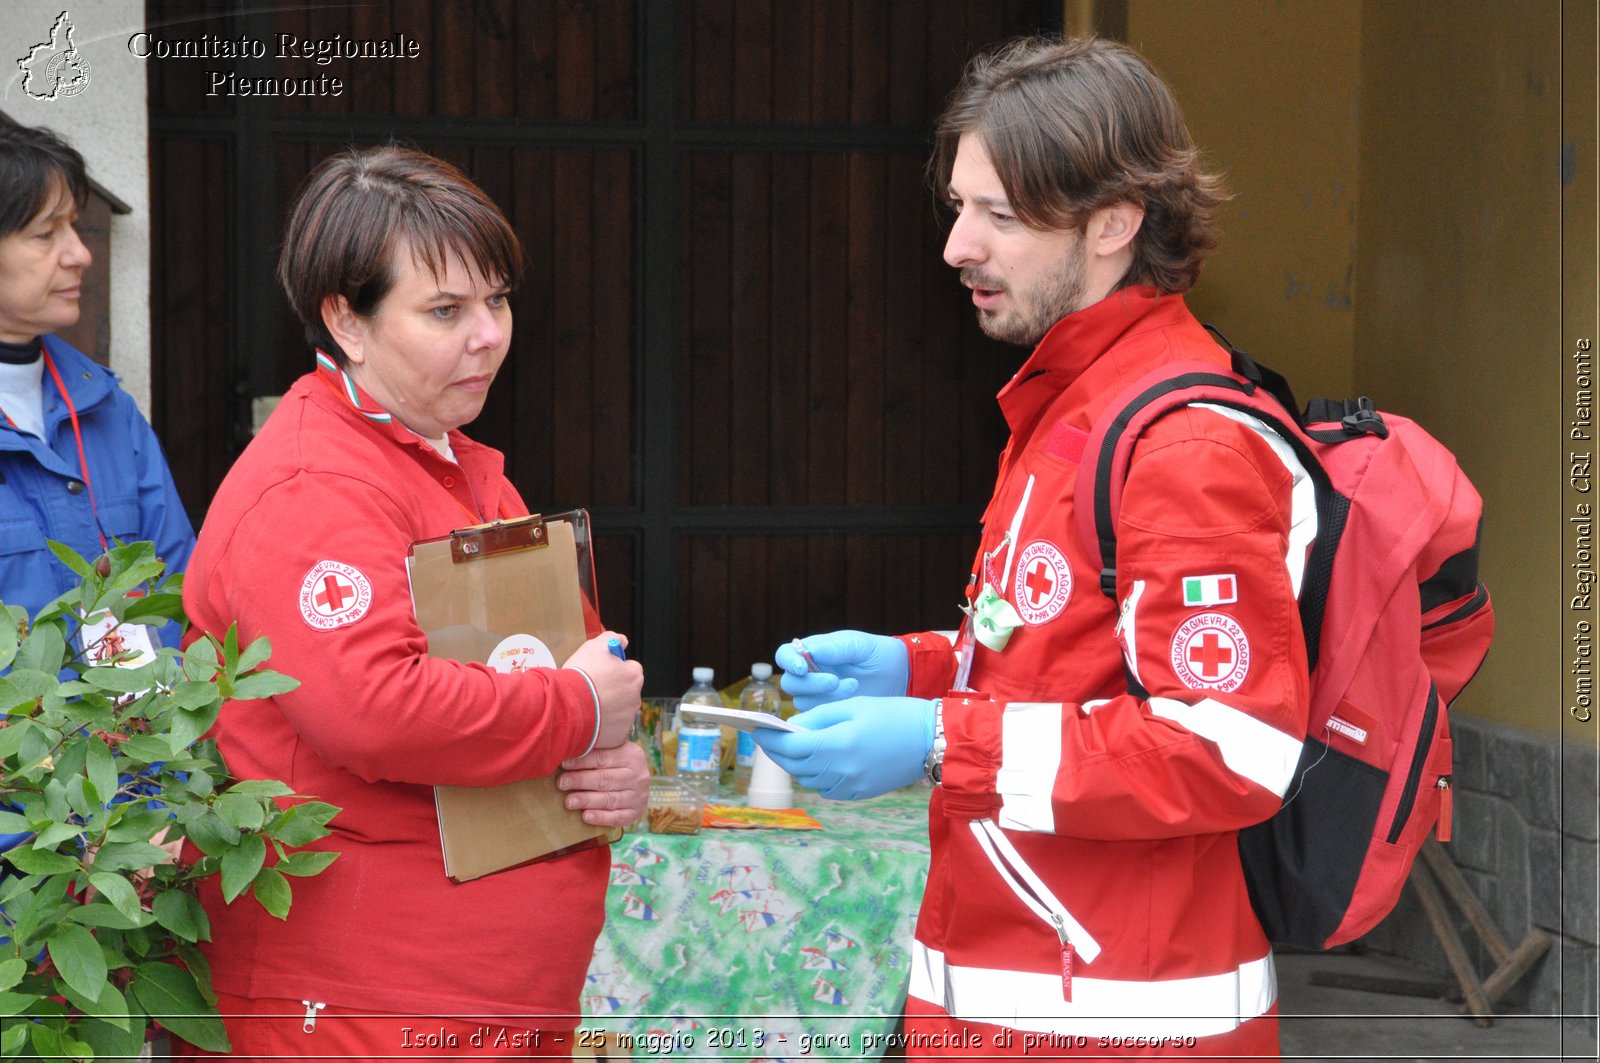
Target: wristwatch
(933,764)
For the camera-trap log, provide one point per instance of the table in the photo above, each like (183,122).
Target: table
(763,944)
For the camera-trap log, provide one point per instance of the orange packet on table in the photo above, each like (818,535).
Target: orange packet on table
(738,817)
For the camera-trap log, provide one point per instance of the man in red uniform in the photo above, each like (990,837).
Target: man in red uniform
(1094,760)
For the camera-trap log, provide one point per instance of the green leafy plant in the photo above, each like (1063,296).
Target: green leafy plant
(104,769)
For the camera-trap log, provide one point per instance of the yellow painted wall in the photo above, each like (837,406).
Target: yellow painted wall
(1396,233)
(1270,93)
(1458,294)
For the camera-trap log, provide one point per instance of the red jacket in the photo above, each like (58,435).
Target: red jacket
(1125,805)
(306,543)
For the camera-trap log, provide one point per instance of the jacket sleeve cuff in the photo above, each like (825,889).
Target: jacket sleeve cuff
(931,663)
(972,731)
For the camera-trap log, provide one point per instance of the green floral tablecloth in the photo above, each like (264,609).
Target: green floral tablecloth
(763,944)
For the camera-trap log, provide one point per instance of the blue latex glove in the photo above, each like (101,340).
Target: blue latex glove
(848,663)
(858,747)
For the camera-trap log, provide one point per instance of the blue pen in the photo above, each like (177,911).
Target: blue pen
(615,646)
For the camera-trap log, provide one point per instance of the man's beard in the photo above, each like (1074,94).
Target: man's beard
(1035,311)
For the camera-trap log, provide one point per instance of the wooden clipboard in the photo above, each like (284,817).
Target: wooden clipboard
(511,595)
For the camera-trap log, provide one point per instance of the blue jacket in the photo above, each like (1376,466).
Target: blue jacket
(42,495)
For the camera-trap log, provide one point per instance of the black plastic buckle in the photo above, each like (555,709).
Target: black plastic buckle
(1364,419)
(1108,583)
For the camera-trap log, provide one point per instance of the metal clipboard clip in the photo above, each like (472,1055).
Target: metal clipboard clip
(498,537)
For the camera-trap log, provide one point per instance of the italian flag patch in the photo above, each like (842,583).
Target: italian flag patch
(1201,591)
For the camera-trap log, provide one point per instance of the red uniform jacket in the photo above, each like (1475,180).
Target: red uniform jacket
(306,543)
(1116,749)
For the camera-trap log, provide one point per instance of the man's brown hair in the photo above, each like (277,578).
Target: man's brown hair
(1075,125)
(356,210)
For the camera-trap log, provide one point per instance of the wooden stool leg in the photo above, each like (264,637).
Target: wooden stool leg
(1433,904)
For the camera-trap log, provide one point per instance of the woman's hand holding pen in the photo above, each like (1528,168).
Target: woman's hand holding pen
(617,685)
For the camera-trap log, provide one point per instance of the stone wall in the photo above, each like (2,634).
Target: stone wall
(1525,839)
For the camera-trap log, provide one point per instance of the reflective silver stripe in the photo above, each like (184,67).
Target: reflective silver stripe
(1174,1007)
(1302,497)
(1035,894)
(1251,748)
(1030,754)
(1011,536)
(1128,627)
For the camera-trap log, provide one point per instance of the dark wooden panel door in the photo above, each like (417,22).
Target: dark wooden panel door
(736,342)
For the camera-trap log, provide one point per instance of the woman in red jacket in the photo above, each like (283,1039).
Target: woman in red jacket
(400,269)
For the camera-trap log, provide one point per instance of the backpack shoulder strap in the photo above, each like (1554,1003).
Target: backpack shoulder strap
(1247,388)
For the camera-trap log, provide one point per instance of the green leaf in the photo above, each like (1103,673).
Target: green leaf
(128,856)
(13,736)
(48,1042)
(156,608)
(181,913)
(11,971)
(187,726)
(240,865)
(304,823)
(118,890)
(254,654)
(147,749)
(18,1004)
(104,915)
(200,660)
(263,685)
(40,862)
(72,559)
(198,966)
(109,1007)
(55,834)
(78,958)
(13,1038)
(118,680)
(11,823)
(9,641)
(304,864)
(45,650)
(107,1041)
(169,994)
(214,836)
(241,810)
(272,891)
(195,694)
(102,768)
(260,788)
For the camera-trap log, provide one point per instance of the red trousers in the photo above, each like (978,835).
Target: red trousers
(936,1035)
(260,1028)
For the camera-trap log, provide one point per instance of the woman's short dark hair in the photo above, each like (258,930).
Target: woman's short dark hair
(34,165)
(360,205)
(1076,125)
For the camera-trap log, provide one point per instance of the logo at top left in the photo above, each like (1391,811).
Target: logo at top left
(55,69)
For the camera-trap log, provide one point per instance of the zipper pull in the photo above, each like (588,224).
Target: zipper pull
(1446,807)
(310,1023)
(1068,955)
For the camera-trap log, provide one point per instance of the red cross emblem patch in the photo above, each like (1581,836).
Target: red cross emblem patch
(333,595)
(1210,652)
(1043,582)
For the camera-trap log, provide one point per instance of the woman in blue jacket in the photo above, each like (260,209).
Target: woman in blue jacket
(78,462)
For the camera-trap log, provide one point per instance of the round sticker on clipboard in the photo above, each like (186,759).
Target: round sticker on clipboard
(518,653)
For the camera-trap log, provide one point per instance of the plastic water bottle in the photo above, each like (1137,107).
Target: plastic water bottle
(759,695)
(700,741)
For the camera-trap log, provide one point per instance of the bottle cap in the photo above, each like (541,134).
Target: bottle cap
(703,674)
(761,671)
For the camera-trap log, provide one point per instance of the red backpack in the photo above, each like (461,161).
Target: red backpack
(1395,621)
